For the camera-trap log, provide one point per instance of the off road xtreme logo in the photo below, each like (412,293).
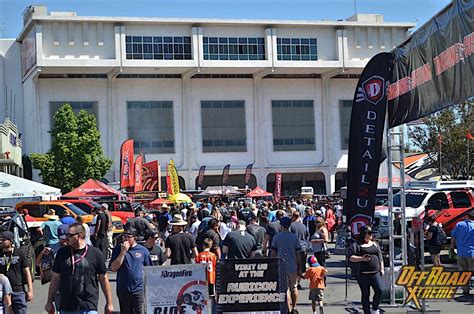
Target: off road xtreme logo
(433,284)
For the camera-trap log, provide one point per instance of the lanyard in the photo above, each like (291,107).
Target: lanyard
(8,261)
(74,261)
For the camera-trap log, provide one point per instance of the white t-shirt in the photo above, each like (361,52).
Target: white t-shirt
(5,289)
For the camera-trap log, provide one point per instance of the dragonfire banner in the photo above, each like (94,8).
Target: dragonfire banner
(433,68)
(365,145)
(127,178)
(151,176)
(138,187)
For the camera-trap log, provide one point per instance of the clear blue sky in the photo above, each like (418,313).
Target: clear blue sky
(418,11)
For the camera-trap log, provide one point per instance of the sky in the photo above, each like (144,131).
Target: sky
(417,11)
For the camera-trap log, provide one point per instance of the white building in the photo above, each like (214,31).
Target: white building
(204,91)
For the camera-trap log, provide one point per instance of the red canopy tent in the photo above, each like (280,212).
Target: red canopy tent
(258,192)
(160,201)
(94,189)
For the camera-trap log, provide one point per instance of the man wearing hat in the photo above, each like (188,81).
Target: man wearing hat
(286,245)
(463,237)
(140,223)
(15,265)
(156,253)
(49,230)
(180,246)
(316,274)
(128,260)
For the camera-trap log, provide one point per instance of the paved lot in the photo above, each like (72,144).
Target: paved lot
(335,296)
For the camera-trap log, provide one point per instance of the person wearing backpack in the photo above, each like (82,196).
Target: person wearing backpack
(435,237)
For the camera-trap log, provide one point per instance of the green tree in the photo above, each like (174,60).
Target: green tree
(449,126)
(76,153)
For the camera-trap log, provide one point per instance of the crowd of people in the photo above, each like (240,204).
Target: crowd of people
(78,256)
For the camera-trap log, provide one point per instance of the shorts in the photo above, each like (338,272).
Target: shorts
(316,294)
(292,281)
(434,250)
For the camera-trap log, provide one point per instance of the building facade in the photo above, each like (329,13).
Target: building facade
(277,94)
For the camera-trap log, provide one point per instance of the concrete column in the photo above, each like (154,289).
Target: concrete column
(189,160)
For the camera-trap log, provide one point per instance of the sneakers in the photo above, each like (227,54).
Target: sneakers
(374,312)
(321,310)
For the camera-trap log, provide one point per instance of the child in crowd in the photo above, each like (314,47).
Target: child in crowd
(209,259)
(315,273)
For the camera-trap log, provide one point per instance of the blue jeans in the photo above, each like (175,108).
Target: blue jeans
(78,312)
(366,281)
(19,302)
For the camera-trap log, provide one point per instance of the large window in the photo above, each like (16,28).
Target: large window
(89,106)
(151,126)
(223,126)
(345,108)
(297,49)
(293,125)
(234,48)
(158,47)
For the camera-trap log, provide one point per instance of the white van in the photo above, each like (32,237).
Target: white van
(307,192)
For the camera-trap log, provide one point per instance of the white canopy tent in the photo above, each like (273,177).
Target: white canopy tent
(16,187)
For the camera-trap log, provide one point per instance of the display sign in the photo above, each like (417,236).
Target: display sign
(433,68)
(251,285)
(365,145)
(176,289)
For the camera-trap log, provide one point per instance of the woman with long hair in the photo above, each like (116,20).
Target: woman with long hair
(367,265)
(319,240)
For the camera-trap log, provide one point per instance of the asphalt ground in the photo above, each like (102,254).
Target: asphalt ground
(335,298)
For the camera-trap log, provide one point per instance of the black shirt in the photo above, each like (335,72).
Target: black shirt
(240,244)
(104,222)
(209,234)
(258,233)
(79,285)
(15,262)
(373,265)
(181,245)
(139,223)
(157,256)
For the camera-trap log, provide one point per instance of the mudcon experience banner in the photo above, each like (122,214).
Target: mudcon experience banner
(180,289)
(251,285)
(430,71)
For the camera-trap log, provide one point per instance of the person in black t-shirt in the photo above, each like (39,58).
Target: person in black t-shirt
(140,223)
(367,265)
(239,243)
(156,253)
(99,238)
(213,234)
(258,233)
(15,265)
(180,246)
(77,271)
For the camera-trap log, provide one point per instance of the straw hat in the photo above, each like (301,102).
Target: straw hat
(51,215)
(178,221)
